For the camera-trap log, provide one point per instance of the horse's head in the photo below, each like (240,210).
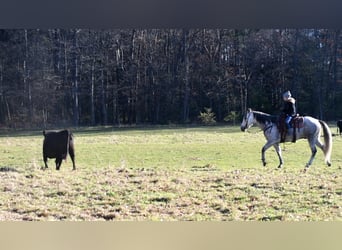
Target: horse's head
(247,120)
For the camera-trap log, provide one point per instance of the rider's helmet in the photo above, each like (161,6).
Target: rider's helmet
(287,95)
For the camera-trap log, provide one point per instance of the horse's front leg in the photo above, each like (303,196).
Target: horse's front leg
(278,150)
(263,150)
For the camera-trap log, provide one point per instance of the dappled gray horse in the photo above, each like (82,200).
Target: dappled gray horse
(310,130)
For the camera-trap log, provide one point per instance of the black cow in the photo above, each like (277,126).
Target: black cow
(57,144)
(339,126)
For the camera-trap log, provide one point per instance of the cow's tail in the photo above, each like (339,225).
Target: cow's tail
(327,148)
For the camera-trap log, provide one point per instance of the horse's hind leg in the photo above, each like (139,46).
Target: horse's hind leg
(313,153)
(321,146)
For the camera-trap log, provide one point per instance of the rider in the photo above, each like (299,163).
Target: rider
(289,110)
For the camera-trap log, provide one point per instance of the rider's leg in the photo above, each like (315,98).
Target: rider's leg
(287,121)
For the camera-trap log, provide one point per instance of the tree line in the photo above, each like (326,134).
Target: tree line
(76,77)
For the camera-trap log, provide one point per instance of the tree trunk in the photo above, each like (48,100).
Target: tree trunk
(65,81)
(335,71)
(27,84)
(115,94)
(186,76)
(103,99)
(56,51)
(75,80)
(2,94)
(294,85)
(92,90)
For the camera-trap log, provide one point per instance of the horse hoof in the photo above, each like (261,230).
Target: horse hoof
(280,166)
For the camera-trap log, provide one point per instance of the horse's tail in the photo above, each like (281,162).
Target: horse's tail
(327,142)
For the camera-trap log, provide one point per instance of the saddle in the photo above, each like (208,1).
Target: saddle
(297,122)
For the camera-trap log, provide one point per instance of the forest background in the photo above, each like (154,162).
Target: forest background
(82,77)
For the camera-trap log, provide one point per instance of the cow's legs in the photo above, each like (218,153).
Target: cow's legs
(45,162)
(72,156)
(58,163)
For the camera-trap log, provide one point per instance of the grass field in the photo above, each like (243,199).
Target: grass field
(162,173)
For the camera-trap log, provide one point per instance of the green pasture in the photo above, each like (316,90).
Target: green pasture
(168,173)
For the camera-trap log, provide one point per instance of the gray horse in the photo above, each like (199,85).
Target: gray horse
(311,130)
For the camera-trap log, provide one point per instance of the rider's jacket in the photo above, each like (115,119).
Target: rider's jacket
(290,107)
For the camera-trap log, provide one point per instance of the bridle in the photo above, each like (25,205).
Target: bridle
(247,119)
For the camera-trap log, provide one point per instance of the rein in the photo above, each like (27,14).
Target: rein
(267,128)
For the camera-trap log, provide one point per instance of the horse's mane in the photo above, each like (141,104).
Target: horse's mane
(264,117)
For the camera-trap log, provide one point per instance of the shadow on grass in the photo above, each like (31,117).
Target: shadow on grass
(8,169)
